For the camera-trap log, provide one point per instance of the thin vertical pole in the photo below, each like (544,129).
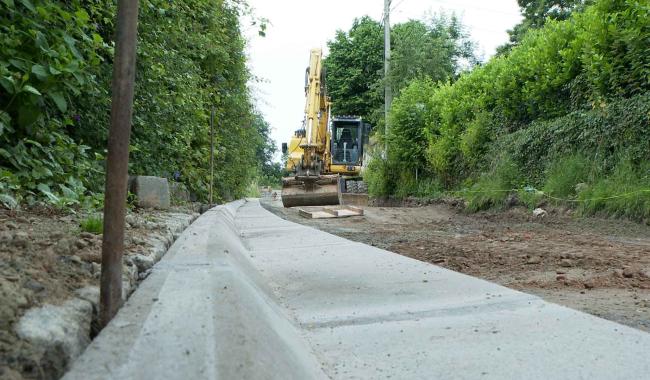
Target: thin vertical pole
(388,91)
(211,154)
(118,160)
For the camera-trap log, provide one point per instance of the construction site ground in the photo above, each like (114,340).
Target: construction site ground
(596,265)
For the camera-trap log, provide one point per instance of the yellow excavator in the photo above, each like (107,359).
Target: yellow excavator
(325,155)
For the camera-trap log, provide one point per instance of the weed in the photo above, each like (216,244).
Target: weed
(565,174)
(493,187)
(92,224)
(623,193)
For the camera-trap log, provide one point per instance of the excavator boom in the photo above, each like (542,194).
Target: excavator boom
(309,157)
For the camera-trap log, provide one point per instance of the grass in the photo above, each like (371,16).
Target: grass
(493,188)
(625,192)
(565,174)
(92,224)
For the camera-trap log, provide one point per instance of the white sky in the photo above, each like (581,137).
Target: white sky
(296,26)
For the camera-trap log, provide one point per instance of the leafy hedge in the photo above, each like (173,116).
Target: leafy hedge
(576,86)
(55,77)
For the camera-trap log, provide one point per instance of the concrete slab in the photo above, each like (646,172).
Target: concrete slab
(152,192)
(246,295)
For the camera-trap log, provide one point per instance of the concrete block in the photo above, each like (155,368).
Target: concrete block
(152,192)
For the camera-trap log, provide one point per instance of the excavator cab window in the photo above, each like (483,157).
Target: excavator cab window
(347,137)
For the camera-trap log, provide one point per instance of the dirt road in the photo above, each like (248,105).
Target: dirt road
(599,266)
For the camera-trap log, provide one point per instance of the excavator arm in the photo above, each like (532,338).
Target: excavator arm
(309,157)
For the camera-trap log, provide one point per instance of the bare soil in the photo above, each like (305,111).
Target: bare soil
(599,266)
(44,258)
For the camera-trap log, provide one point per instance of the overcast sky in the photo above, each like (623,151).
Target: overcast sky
(296,26)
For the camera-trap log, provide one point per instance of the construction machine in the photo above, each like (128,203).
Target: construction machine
(325,155)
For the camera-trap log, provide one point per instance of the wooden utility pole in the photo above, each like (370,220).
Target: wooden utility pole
(118,160)
(388,91)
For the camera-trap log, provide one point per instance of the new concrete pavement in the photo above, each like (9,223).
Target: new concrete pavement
(243,294)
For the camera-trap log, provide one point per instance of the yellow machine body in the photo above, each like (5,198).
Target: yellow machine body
(319,169)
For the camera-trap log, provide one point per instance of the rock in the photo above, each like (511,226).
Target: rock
(539,213)
(560,277)
(75,259)
(534,260)
(618,273)
(11,226)
(152,192)
(61,333)
(644,273)
(62,247)
(21,239)
(134,221)
(96,269)
(143,262)
(87,235)
(6,237)
(512,200)
(94,256)
(589,284)
(81,244)
(566,263)
(21,219)
(34,286)
(56,235)
(90,294)
(629,272)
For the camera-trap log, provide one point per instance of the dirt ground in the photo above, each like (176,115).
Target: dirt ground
(599,266)
(44,258)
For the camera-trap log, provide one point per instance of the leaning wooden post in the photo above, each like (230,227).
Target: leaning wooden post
(211,154)
(118,160)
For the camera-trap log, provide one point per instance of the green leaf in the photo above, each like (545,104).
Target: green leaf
(82,16)
(45,189)
(8,201)
(8,84)
(59,100)
(28,88)
(28,4)
(9,3)
(40,71)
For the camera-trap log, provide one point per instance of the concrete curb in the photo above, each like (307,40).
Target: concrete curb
(243,294)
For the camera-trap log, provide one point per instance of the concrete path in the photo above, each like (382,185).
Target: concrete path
(244,294)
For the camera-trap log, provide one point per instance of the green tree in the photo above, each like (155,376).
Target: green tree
(535,13)
(354,67)
(438,49)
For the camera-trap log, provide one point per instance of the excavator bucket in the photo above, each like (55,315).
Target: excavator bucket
(310,191)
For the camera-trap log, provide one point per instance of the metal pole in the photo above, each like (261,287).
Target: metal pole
(118,160)
(388,91)
(211,153)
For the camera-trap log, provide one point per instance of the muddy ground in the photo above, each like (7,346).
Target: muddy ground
(44,257)
(599,266)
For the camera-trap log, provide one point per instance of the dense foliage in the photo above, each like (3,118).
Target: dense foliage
(437,49)
(578,86)
(535,13)
(55,75)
